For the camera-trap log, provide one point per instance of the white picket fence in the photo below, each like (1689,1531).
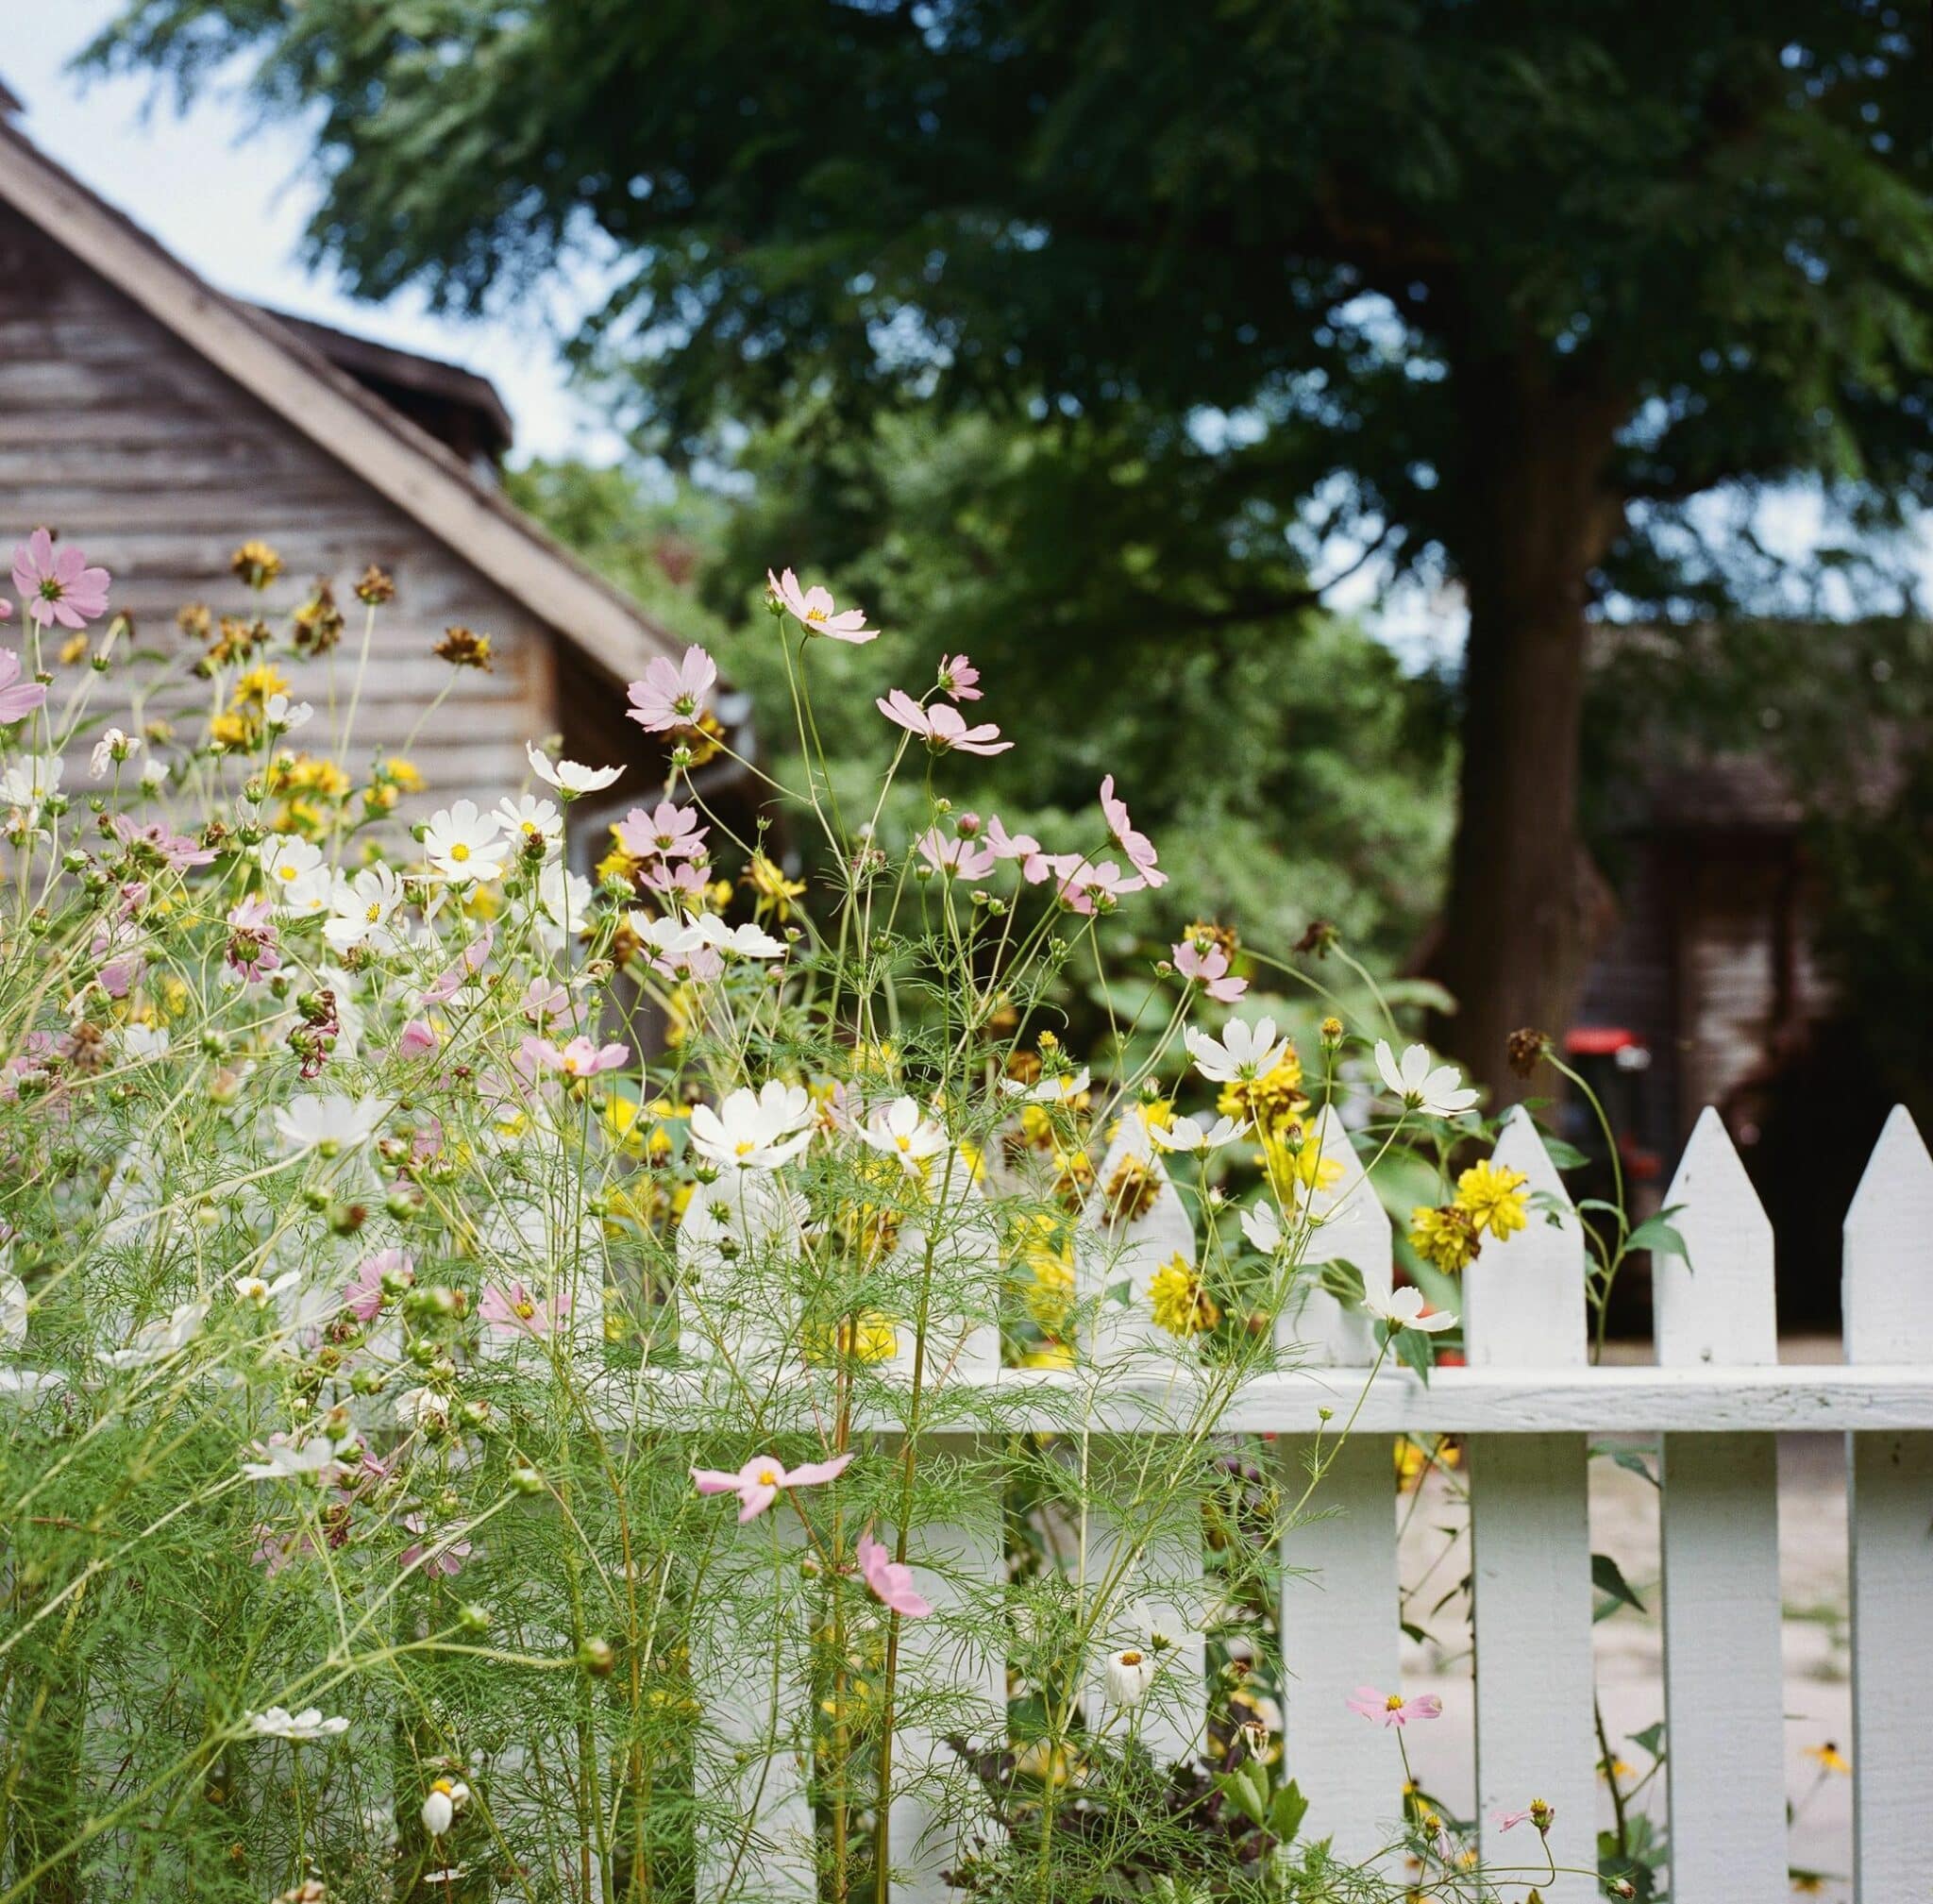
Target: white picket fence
(1530,1404)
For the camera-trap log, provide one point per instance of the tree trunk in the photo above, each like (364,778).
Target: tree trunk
(1535,519)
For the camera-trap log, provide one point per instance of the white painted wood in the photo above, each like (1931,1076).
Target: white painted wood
(1888,1276)
(1889,1316)
(1349,1224)
(1524,1301)
(1339,1631)
(750,1659)
(1530,1540)
(959,1566)
(1110,1250)
(1604,1401)
(1718,1305)
(1724,1707)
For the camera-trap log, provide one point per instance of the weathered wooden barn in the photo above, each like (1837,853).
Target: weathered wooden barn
(157,423)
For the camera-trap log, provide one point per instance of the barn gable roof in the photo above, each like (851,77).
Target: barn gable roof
(286,372)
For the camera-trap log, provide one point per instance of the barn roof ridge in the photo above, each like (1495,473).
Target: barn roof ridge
(294,378)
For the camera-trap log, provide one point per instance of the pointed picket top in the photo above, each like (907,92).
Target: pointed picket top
(1888,1290)
(1717,1303)
(1524,1298)
(1350,1226)
(1110,1250)
(968,1250)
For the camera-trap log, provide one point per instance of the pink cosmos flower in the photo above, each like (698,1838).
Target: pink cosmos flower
(417,1039)
(958,858)
(1537,1812)
(1208,969)
(673,877)
(1088,888)
(56,585)
(815,609)
(762,1479)
(447,1559)
(957,676)
(672,694)
(543,999)
(516,1312)
(1137,846)
(941,726)
(178,850)
(364,1294)
(1392,1708)
(1035,865)
(252,952)
(670,832)
(16,700)
(581,1058)
(469,962)
(891,1581)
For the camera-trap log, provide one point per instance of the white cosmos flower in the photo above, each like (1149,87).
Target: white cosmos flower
(526,818)
(12,1310)
(31,779)
(112,748)
(303,1726)
(463,843)
(290,1460)
(1437,1090)
(1129,1674)
(297,880)
(142,1042)
(747,1133)
(1403,1309)
(445,1801)
(360,909)
(154,774)
(331,1125)
(1241,1052)
(563,899)
(899,1130)
(253,1290)
(156,1341)
(746,941)
(283,716)
(566,776)
(1185,1134)
(1055,1089)
(1263,1228)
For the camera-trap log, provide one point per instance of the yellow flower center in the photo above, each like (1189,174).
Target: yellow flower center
(526,1309)
(460,852)
(286,874)
(745,1150)
(1394,1702)
(375,911)
(904,1143)
(814,615)
(769,1477)
(1131,1658)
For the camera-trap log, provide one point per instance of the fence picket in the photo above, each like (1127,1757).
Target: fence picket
(1889,1318)
(1339,1596)
(1530,1541)
(1723,1681)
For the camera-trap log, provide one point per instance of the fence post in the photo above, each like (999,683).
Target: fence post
(1530,1541)
(1889,1319)
(1724,1709)
(1340,1592)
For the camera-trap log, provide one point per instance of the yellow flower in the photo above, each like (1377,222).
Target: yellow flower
(401,773)
(1828,1757)
(871,1337)
(1297,1163)
(1416,1455)
(231,730)
(255,564)
(1181,1305)
(1048,1355)
(774,891)
(1132,1191)
(1445,1238)
(1049,1291)
(74,650)
(253,688)
(1493,1197)
(300,773)
(1619,1768)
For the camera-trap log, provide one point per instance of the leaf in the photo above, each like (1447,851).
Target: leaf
(1245,1788)
(1343,1281)
(1609,1577)
(1566,1156)
(1658,1237)
(1286,1814)
(1651,1740)
(1634,1463)
(1412,1631)
(1416,1349)
(1121,1294)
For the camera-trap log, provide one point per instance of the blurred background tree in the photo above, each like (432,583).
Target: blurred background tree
(1233,296)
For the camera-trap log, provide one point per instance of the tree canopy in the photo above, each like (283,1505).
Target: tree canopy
(1500,293)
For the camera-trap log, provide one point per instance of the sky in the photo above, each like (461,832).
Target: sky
(226,194)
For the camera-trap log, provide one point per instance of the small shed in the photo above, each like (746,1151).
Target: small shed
(157,423)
